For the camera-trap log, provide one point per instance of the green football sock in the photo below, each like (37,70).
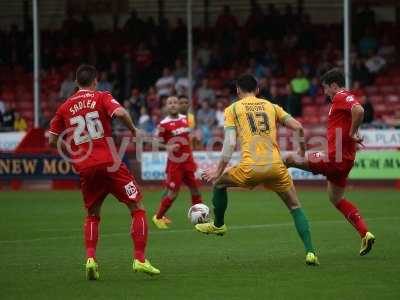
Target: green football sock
(300,220)
(220,202)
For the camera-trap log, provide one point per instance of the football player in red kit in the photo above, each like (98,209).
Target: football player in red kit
(173,132)
(83,124)
(345,116)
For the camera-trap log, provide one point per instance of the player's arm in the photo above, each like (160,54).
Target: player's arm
(296,126)
(56,128)
(122,114)
(228,147)
(288,121)
(53,140)
(357,117)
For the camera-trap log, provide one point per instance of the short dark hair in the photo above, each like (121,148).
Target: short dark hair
(183,97)
(247,83)
(333,76)
(85,75)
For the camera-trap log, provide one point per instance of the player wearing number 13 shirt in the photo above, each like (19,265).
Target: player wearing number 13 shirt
(255,122)
(83,122)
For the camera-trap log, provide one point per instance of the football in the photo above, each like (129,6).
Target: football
(199,213)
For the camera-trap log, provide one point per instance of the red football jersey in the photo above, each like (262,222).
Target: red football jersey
(339,123)
(85,118)
(176,131)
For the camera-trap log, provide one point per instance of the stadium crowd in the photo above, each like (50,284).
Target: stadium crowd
(143,62)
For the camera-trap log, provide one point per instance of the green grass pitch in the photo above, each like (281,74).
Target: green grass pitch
(261,257)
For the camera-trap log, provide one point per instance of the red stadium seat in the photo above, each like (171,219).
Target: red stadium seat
(386,89)
(376,99)
(393,98)
(371,90)
(310,110)
(306,100)
(383,80)
(320,99)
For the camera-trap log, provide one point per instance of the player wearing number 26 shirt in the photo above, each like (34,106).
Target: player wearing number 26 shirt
(83,124)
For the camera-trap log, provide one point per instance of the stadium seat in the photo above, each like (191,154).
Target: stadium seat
(306,100)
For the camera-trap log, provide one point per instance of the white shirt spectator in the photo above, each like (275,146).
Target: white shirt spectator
(204,56)
(204,92)
(182,86)
(220,118)
(375,64)
(2,107)
(68,87)
(164,85)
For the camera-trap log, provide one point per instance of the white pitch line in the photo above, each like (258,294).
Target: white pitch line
(234,227)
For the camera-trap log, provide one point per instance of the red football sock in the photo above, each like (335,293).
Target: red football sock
(352,215)
(165,204)
(91,233)
(196,199)
(139,233)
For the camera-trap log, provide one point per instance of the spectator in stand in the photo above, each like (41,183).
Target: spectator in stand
(367,43)
(205,93)
(314,87)
(375,63)
(136,102)
(203,54)
(179,34)
(68,87)
(152,99)
(135,27)
(264,87)
(219,114)
(290,40)
(368,109)
(145,122)
(257,69)
(306,67)
(276,98)
(182,86)
(300,86)
(226,22)
(387,50)
(255,21)
(2,107)
(289,101)
(165,84)
(20,123)
(104,85)
(205,120)
(360,72)
(180,69)
(86,27)
(8,118)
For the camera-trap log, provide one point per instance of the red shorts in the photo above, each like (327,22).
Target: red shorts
(335,172)
(178,173)
(97,182)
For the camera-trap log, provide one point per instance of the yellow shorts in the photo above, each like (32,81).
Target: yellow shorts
(273,176)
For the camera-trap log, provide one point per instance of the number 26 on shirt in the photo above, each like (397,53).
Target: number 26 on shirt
(92,124)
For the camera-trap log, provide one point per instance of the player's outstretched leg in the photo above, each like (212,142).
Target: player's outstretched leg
(220,203)
(91,235)
(352,215)
(301,223)
(160,219)
(139,231)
